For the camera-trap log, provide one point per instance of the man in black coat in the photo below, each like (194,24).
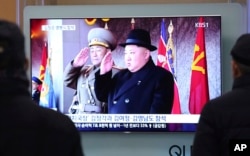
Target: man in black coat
(143,87)
(25,128)
(226,118)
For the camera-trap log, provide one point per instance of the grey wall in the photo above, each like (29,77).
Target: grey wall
(137,144)
(234,23)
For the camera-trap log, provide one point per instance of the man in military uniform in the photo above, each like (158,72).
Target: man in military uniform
(81,77)
(36,82)
(143,87)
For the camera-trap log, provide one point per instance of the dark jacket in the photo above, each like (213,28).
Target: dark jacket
(30,130)
(149,90)
(223,119)
(36,96)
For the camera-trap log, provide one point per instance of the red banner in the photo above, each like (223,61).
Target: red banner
(199,93)
(43,61)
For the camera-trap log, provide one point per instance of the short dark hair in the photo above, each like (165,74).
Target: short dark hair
(241,50)
(12,51)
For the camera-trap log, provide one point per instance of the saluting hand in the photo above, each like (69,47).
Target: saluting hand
(106,64)
(81,57)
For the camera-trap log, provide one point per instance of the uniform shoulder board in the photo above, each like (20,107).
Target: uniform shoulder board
(86,68)
(89,67)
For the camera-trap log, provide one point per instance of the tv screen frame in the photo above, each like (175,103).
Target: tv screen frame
(107,11)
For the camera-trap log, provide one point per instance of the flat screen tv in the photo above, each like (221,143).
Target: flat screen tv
(189,40)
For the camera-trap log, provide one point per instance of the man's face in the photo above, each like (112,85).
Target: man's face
(34,85)
(135,57)
(97,53)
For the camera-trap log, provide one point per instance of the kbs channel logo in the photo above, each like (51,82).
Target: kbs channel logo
(239,147)
(201,24)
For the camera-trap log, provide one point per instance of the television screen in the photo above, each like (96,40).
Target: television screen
(187,46)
